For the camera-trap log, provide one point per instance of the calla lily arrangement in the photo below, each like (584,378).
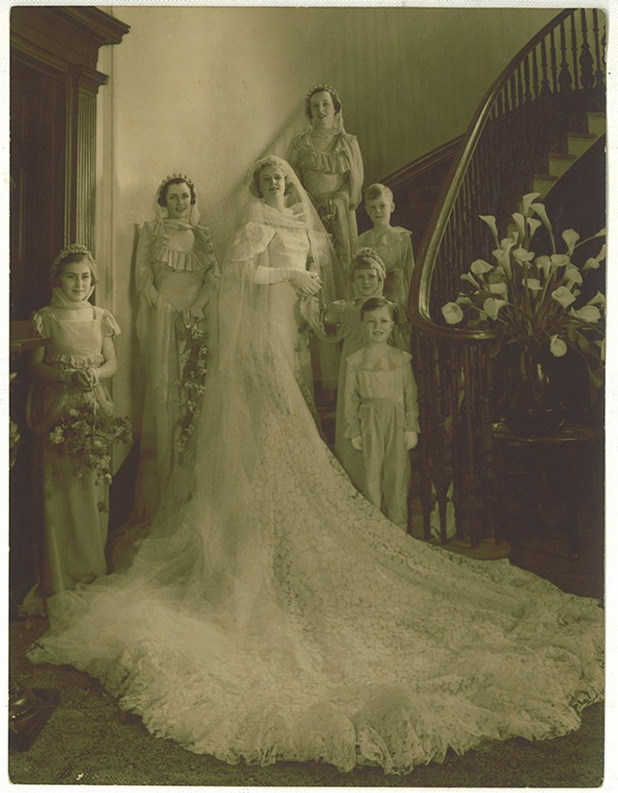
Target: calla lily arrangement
(530,299)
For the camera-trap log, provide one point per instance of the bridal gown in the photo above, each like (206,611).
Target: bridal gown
(274,614)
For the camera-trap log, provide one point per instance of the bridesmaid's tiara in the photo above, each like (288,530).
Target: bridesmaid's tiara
(169,178)
(75,247)
(322,87)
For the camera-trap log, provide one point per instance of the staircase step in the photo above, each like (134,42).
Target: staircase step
(543,183)
(580,142)
(559,164)
(596,123)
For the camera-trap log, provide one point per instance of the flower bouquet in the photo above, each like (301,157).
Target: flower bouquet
(192,383)
(535,303)
(87,435)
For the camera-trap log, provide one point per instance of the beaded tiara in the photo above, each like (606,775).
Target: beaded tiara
(75,247)
(169,178)
(322,87)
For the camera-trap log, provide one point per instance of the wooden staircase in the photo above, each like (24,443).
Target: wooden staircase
(576,145)
(416,188)
(541,116)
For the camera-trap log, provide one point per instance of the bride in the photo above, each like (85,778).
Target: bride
(273,613)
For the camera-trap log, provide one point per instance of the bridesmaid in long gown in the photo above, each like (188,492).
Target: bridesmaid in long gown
(176,277)
(328,162)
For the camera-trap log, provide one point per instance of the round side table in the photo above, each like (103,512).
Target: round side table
(567,440)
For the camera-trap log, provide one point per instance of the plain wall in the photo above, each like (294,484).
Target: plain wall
(206,90)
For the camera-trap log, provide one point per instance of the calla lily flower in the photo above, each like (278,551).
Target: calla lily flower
(532,283)
(480,266)
(572,274)
(533,225)
(570,236)
(598,300)
(595,261)
(452,313)
(491,306)
(463,300)
(588,313)
(498,288)
(522,255)
(557,346)
(564,296)
(559,259)
(491,222)
(526,203)
(502,254)
(470,279)
(601,233)
(507,243)
(540,211)
(520,221)
(544,265)
(601,345)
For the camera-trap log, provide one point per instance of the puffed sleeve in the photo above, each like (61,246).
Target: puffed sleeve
(110,326)
(251,240)
(37,323)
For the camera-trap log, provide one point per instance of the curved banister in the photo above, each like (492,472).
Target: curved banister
(544,92)
(422,277)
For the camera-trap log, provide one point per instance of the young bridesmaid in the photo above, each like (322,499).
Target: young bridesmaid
(67,373)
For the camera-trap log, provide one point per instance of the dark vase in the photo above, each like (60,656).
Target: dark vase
(531,405)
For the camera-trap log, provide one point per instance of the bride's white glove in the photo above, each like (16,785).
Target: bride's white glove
(304,282)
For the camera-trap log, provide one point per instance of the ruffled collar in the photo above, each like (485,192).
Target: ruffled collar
(198,259)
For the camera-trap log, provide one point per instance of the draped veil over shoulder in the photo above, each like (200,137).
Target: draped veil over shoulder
(274,614)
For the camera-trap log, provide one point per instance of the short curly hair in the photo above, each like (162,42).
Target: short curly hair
(162,197)
(317,90)
(268,162)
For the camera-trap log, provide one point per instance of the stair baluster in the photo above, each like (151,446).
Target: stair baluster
(537,99)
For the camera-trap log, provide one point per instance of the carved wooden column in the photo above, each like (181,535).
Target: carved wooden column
(54,85)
